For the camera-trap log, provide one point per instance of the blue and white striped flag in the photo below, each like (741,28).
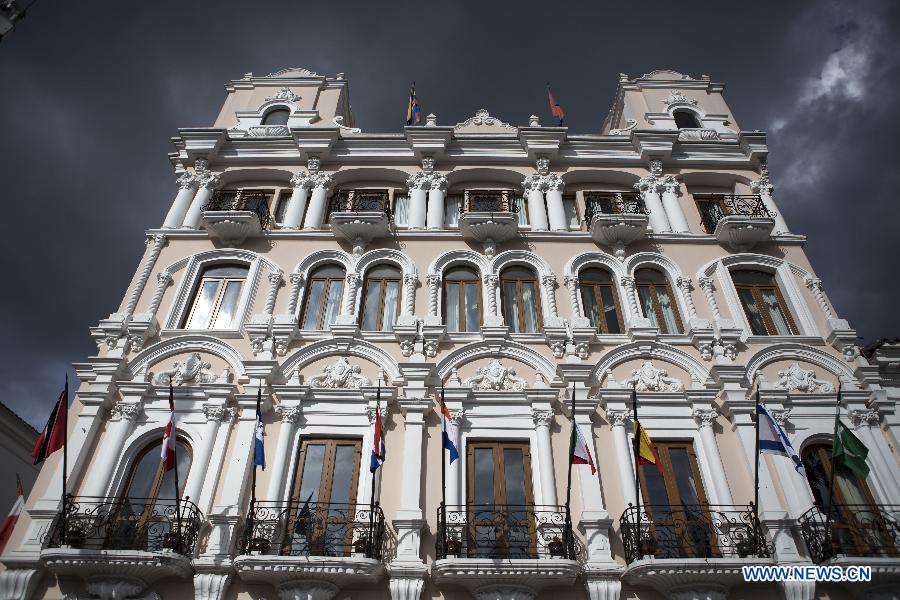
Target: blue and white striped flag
(773,440)
(259,450)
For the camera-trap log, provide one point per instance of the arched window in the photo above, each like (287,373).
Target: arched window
(462,299)
(686,119)
(657,300)
(854,514)
(600,300)
(276,116)
(381,300)
(146,511)
(323,297)
(521,300)
(763,303)
(215,302)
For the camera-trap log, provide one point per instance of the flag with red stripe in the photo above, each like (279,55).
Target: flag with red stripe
(555,109)
(168,444)
(10,522)
(53,436)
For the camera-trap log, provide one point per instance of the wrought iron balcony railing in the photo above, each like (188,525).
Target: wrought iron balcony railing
(314,529)
(489,201)
(715,207)
(505,532)
(256,202)
(613,203)
(148,524)
(854,530)
(692,531)
(361,201)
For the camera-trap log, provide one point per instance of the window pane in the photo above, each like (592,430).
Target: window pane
(384,271)
(757,325)
(609,310)
(225,318)
(370,315)
(571,212)
(646,298)
(514,467)
(752,277)
(684,476)
(335,292)
(460,274)
(529,305)
(472,317)
(312,472)
(391,296)
(484,476)
(313,304)
(401,210)
(656,486)
(279,116)
(452,308)
(344,459)
(595,275)
(649,275)
(231,271)
(510,307)
(144,473)
(283,200)
(775,312)
(668,310)
(451,211)
(183,462)
(589,302)
(203,305)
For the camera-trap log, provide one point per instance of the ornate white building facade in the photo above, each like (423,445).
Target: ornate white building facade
(338,272)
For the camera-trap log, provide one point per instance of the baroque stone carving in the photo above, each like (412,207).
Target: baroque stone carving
(677,97)
(288,414)
(126,410)
(541,418)
(483,118)
(705,418)
(629,125)
(193,368)
(797,379)
(495,377)
(651,379)
(340,374)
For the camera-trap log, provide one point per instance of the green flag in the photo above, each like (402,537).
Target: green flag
(849,451)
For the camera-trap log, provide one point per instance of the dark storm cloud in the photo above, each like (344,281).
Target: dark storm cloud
(91,93)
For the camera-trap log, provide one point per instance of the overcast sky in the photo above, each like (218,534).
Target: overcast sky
(92,92)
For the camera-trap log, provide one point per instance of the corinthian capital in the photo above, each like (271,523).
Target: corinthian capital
(533,183)
(300,180)
(553,182)
(186,181)
(321,180)
(418,181)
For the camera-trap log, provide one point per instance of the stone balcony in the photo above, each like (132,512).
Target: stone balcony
(360,216)
(741,221)
(616,219)
(489,217)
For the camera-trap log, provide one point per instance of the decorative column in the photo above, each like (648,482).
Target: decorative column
(409,293)
(454,496)
(274,283)
(162,282)
(671,190)
(416,185)
(624,453)
(631,294)
(815,286)
(436,195)
(434,288)
(594,516)
(705,420)
(294,298)
(367,451)
(556,214)
(289,414)
(301,184)
(207,182)
(864,421)
(549,283)
(490,291)
(684,284)
(187,187)
(123,414)
(215,414)
(158,241)
(649,188)
(352,283)
(534,191)
(315,214)
(571,283)
(542,420)
(706,284)
(764,188)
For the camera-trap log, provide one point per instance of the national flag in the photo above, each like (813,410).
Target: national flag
(848,451)
(646,450)
(168,444)
(579,451)
(53,436)
(378,450)
(413,115)
(259,448)
(773,440)
(449,431)
(10,522)
(555,109)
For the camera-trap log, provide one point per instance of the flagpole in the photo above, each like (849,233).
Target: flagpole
(175,466)
(756,463)
(443,524)
(375,451)
(637,466)
(828,505)
(65,516)
(573,441)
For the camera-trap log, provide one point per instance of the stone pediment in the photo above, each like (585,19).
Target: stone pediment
(665,75)
(483,122)
(293,72)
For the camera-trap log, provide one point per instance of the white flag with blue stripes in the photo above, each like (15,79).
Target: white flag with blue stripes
(773,440)
(259,449)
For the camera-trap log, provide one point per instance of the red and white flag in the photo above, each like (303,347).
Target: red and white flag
(168,444)
(10,522)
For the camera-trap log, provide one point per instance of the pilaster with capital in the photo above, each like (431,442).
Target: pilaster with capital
(815,286)
(409,293)
(684,284)
(434,289)
(867,424)
(618,419)
(301,184)
(437,192)
(275,277)
(534,193)
(706,284)
(296,280)
(556,213)
(490,291)
(542,419)
(216,412)
(124,414)
(549,283)
(352,284)
(157,242)
(705,419)
(163,279)
(631,294)
(671,191)
(417,184)
(571,283)
(289,414)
